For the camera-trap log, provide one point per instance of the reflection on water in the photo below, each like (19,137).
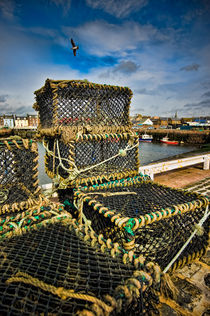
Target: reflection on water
(43,178)
(148,153)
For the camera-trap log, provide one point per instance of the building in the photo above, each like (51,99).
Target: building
(21,121)
(1,121)
(161,122)
(8,121)
(33,120)
(144,122)
(185,120)
(156,122)
(174,122)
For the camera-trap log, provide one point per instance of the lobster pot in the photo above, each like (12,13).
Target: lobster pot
(91,158)
(153,220)
(60,269)
(81,103)
(18,174)
(5,132)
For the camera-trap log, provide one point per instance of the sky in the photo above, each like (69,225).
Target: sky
(158,48)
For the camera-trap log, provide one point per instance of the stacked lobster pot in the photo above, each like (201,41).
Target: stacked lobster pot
(86,132)
(21,203)
(18,175)
(92,155)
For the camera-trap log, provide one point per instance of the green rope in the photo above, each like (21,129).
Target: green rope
(128,227)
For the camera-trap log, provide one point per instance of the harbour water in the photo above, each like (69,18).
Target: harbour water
(148,152)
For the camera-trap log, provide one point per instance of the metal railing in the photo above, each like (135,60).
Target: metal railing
(160,167)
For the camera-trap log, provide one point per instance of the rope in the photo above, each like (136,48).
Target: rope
(196,231)
(80,202)
(60,291)
(3,195)
(74,173)
(18,230)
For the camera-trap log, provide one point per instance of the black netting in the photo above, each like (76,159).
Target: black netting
(18,171)
(87,153)
(66,198)
(57,256)
(159,241)
(81,103)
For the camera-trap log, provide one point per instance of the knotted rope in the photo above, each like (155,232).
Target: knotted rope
(80,203)
(63,293)
(3,195)
(74,172)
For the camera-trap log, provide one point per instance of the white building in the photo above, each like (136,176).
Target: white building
(8,121)
(21,121)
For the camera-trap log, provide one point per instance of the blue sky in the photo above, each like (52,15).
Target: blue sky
(158,48)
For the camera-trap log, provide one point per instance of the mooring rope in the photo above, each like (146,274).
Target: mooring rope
(197,230)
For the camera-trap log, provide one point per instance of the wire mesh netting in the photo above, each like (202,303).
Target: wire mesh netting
(18,174)
(153,219)
(57,270)
(72,102)
(92,158)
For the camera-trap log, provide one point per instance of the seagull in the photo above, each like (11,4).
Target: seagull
(74,47)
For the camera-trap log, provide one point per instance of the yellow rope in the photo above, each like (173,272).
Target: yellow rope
(74,172)
(3,195)
(80,202)
(60,291)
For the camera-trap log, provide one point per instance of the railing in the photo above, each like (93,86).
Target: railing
(160,167)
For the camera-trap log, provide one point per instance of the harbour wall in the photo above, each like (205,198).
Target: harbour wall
(188,137)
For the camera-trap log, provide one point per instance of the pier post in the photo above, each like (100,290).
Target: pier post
(151,174)
(206,163)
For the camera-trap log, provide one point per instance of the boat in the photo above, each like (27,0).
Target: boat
(166,140)
(146,138)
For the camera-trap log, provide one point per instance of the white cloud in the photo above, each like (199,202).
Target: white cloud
(21,86)
(118,8)
(100,38)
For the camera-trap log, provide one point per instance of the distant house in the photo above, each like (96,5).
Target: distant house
(175,122)
(21,121)
(8,121)
(1,121)
(200,120)
(33,120)
(163,121)
(145,122)
(185,120)
(156,122)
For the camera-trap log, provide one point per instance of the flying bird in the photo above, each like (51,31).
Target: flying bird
(74,47)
